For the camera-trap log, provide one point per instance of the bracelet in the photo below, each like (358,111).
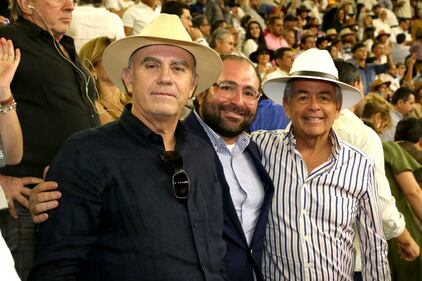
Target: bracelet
(7,108)
(7,101)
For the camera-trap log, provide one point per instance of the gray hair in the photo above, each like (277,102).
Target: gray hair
(218,34)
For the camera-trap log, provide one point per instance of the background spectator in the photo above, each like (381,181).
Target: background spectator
(90,19)
(139,15)
(110,100)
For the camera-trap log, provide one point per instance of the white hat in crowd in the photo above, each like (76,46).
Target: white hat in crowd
(312,64)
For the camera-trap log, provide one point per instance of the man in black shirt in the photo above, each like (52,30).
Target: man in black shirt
(55,98)
(140,197)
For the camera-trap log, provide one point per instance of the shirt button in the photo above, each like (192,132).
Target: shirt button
(251,251)
(92,116)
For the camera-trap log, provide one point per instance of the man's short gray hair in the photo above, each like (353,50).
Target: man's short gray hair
(218,34)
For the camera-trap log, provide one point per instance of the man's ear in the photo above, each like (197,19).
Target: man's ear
(200,98)
(286,107)
(24,6)
(195,84)
(127,78)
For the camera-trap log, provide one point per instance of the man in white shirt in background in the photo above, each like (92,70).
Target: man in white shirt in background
(352,130)
(136,17)
(90,19)
(381,22)
(283,58)
(118,6)
(403,27)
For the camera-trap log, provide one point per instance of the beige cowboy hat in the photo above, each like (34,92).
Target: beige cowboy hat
(331,32)
(312,64)
(164,30)
(378,82)
(346,31)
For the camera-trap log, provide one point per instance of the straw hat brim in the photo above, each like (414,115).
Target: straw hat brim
(379,83)
(116,58)
(274,89)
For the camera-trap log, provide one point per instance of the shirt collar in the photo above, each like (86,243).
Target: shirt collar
(30,28)
(34,30)
(290,140)
(218,142)
(398,114)
(142,133)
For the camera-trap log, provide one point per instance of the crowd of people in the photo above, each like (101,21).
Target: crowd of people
(235,140)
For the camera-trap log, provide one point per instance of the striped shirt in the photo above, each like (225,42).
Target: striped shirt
(310,229)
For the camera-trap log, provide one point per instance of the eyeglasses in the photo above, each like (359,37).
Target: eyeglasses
(229,89)
(180,179)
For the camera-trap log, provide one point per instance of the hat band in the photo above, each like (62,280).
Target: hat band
(314,73)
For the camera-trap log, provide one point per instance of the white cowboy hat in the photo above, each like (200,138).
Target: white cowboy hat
(312,64)
(164,30)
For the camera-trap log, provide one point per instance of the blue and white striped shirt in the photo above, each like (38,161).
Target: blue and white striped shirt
(310,229)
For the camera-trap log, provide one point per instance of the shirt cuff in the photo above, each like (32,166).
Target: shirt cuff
(3,200)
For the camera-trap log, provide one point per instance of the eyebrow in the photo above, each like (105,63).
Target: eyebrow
(150,59)
(305,91)
(181,62)
(249,87)
(172,62)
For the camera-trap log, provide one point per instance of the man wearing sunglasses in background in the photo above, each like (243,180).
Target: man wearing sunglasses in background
(221,116)
(140,198)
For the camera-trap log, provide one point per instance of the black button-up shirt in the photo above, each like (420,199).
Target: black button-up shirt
(118,218)
(51,95)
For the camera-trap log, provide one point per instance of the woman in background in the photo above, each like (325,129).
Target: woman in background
(110,100)
(262,58)
(376,113)
(254,37)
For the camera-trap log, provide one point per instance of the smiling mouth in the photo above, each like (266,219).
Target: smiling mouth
(234,112)
(313,118)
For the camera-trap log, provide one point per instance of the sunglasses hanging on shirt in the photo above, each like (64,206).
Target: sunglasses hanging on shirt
(180,179)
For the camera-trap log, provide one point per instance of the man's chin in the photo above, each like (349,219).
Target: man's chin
(231,131)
